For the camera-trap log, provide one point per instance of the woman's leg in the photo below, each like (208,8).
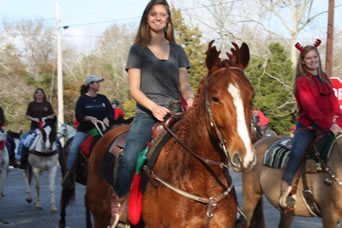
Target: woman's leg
(301,140)
(75,148)
(137,139)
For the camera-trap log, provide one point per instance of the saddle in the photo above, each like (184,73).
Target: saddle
(319,150)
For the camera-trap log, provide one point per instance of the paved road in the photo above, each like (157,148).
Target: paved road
(15,212)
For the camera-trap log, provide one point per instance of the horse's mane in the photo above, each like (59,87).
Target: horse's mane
(195,122)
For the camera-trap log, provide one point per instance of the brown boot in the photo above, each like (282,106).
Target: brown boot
(286,201)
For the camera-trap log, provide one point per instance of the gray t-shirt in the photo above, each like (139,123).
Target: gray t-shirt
(159,78)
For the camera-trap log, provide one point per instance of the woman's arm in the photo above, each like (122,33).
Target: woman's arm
(185,86)
(2,117)
(134,78)
(32,118)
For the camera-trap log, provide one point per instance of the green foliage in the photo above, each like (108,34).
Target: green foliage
(272,79)
(129,108)
(190,38)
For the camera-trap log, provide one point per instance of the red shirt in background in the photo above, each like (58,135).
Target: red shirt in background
(118,113)
(263,120)
(317,103)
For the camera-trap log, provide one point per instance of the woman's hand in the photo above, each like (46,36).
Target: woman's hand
(335,129)
(35,120)
(91,119)
(159,112)
(190,101)
(106,121)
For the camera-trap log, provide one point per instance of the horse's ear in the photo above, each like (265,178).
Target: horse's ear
(244,55)
(240,56)
(212,56)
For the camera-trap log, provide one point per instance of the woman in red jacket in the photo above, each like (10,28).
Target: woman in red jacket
(317,107)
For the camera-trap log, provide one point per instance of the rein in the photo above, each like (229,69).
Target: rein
(326,168)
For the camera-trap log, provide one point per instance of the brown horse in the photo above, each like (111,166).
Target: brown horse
(194,188)
(80,173)
(265,180)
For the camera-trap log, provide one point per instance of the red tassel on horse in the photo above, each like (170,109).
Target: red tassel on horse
(134,202)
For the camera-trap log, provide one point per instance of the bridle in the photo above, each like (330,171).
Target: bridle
(211,202)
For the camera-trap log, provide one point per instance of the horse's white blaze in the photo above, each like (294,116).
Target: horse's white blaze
(241,124)
(47,132)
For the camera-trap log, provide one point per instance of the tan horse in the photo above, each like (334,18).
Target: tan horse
(195,191)
(265,180)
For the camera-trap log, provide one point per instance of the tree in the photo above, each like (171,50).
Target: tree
(272,79)
(190,39)
(278,19)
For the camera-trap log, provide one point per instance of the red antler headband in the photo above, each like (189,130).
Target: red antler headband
(301,48)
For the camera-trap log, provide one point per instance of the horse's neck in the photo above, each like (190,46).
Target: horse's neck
(335,158)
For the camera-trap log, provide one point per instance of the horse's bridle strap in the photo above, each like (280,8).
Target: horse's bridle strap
(211,201)
(202,161)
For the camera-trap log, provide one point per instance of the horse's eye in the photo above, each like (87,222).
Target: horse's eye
(215,99)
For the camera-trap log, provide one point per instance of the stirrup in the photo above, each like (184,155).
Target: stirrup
(116,205)
(287,202)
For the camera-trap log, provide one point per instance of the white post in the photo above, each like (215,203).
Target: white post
(60,116)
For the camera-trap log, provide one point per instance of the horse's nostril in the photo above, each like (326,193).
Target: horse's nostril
(237,160)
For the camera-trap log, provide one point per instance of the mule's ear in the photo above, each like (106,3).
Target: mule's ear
(244,55)
(212,56)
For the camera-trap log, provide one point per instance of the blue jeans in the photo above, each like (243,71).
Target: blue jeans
(21,144)
(137,139)
(301,140)
(75,147)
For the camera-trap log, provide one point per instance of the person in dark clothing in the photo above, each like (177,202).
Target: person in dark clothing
(91,107)
(11,143)
(37,109)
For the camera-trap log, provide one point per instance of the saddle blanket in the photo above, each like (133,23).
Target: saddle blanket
(276,155)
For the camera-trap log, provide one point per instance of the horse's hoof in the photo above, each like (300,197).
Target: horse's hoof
(29,200)
(53,210)
(61,224)
(2,194)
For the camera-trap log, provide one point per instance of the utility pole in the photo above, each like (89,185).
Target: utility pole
(60,116)
(330,37)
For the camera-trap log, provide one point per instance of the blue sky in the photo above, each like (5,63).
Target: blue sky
(87,19)
(72,11)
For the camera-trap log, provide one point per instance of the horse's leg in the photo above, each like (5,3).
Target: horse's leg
(52,178)
(252,200)
(285,220)
(88,215)
(27,177)
(3,171)
(3,175)
(36,174)
(329,218)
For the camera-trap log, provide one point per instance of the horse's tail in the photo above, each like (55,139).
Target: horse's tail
(68,195)
(257,220)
